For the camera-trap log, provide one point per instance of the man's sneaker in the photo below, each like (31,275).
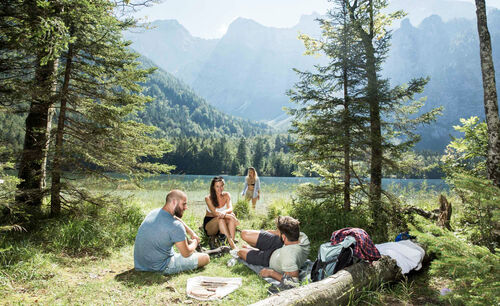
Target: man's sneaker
(231,262)
(234,253)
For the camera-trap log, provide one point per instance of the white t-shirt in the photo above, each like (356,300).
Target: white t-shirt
(290,258)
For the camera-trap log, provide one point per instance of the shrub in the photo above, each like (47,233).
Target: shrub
(481,217)
(92,230)
(242,209)
(319,219)
(473,270)
(278,207)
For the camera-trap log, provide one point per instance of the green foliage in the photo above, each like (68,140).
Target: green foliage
(226,155)
(481,218)
(242,209)
(178,112)
(92,230)
(8,185)
(371,126)
(468,153)
(465,166)
(320,219)
(473,270)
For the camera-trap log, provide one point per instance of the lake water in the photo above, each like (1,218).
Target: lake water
(290,183)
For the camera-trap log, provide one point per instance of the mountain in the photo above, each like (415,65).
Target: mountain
(172,48)
(446,9)
(248,71)
(178,112)
(447,52)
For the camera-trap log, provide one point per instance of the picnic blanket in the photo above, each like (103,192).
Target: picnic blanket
(304,273)
(206,288)
(408,255)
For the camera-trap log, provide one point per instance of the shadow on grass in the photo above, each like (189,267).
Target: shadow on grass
(242,270)
(424,292)
(133,278)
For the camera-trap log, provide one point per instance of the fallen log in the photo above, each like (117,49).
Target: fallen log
(341,287)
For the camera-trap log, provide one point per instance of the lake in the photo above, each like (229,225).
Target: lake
(273,188)
(291,182)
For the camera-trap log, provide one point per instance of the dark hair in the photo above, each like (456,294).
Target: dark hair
(213,194)
(289,227)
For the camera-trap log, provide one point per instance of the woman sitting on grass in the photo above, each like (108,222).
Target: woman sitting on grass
(219,216)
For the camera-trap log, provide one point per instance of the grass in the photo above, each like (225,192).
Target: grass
(88,259)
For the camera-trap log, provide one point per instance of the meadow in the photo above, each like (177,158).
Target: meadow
(87,257)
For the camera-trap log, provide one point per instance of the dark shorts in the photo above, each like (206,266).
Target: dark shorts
(267,243)
(205,221)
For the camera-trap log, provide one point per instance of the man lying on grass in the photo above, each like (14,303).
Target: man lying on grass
(283,250)
(160,230)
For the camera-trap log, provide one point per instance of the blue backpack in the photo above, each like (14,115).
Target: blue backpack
(332,258)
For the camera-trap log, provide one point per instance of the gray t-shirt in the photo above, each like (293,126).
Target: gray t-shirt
(290,258)
(155,238)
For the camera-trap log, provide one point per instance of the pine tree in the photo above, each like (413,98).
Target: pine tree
(258,155)
(33,36)
(242,153)
(330,129)
(98,93)
(81,64)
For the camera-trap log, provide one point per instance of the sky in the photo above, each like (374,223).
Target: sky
(211,18)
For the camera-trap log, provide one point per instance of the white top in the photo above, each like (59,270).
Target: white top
(221,209)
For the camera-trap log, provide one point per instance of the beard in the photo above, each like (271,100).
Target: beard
(178,212)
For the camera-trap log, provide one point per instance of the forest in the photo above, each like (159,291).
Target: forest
(84,119)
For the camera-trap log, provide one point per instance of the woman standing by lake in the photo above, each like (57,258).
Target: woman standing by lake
(219,215)
(252,186)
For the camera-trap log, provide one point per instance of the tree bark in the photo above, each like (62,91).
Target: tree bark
(34,156)
(32,166)
(55,192)
(340,288)
(347,147)
(490,94)
(375,194)
(444,213)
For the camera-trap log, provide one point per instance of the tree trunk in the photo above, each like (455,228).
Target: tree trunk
(375,133)
(376,158)
(34,156)
(55,192)
(490,94)
(347,148)
(340,288)
(444,213)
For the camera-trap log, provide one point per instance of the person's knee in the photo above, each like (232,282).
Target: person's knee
(242,253)
(203,260)
(245,234)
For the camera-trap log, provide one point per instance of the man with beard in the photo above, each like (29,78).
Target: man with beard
(160,230)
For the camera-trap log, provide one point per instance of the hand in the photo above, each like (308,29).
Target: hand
(195,237)
(266,272)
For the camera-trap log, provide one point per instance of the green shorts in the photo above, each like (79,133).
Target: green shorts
(178,263)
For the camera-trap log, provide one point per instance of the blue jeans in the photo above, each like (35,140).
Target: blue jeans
(178,263)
